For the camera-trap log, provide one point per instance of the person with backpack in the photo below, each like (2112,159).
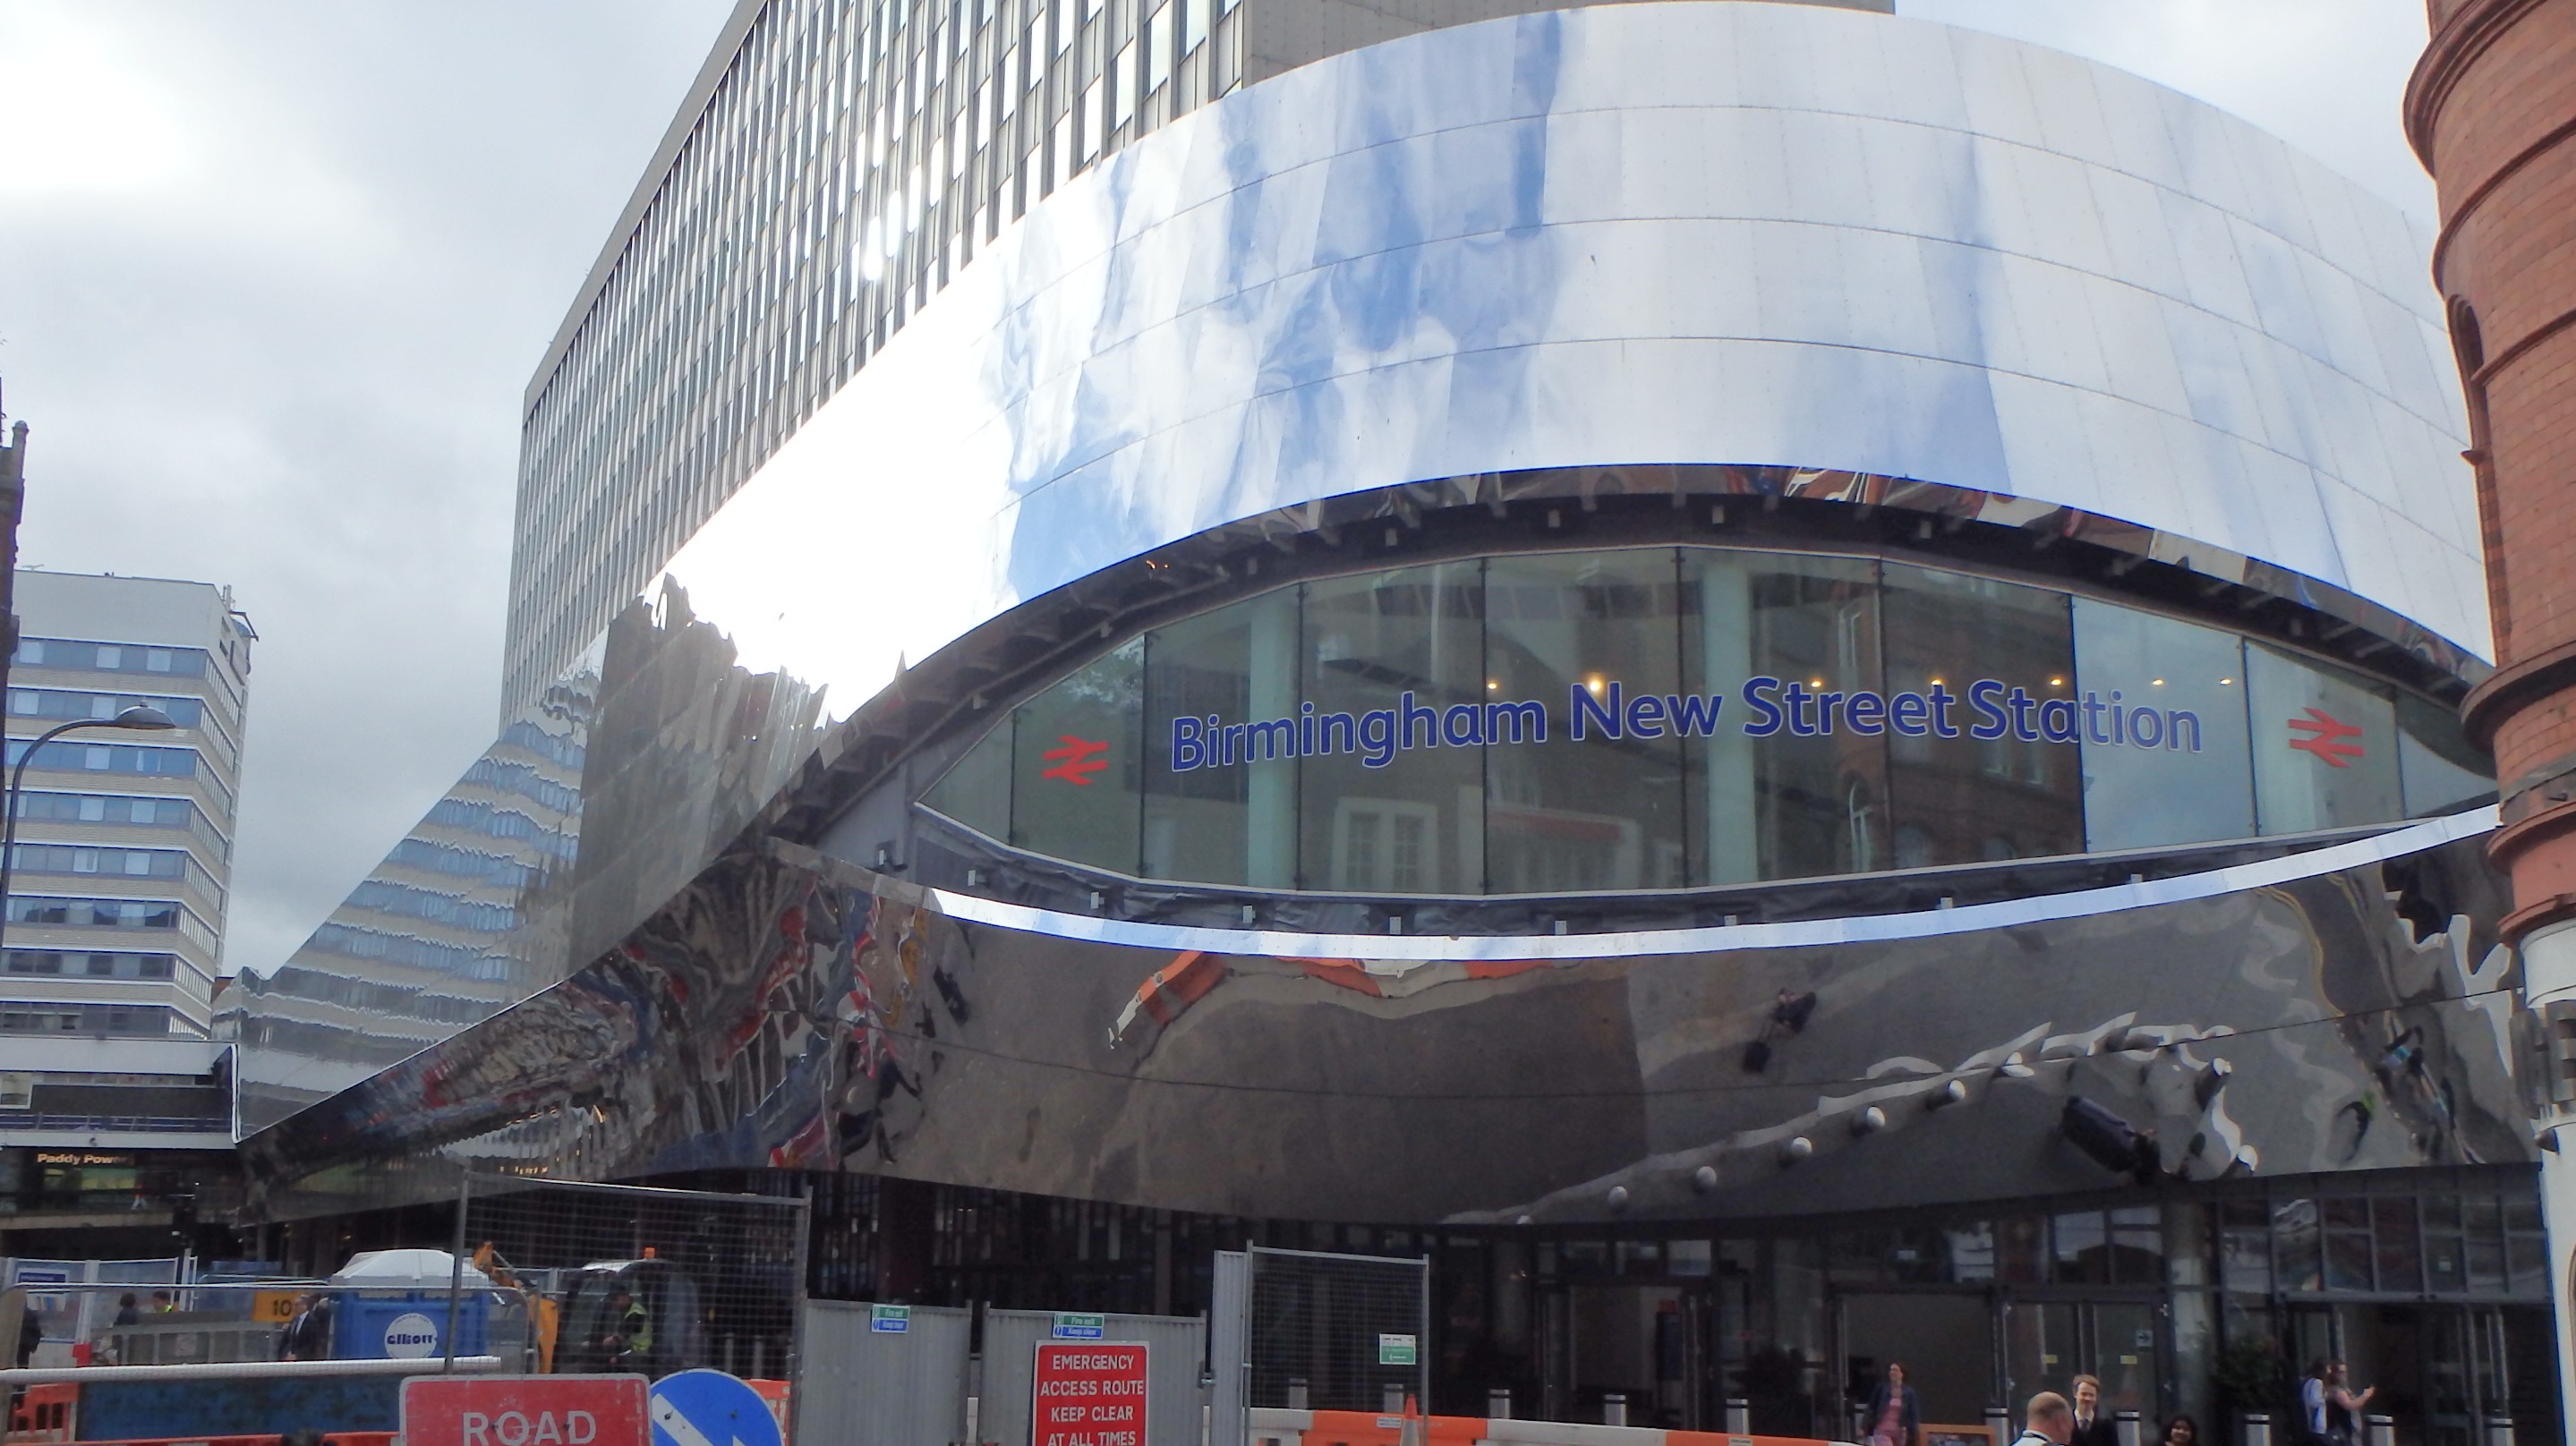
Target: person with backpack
(2316,1410)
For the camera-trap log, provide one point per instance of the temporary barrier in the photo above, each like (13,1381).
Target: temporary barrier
(1270,1427)
(187,1338)
(883,1376)
(44,1415)
(266,1439)
(1346,1331)
(1176,1345)
(707,1280)
(86,1297)
(248,1399)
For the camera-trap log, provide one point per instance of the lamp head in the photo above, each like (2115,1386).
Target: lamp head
(144,717)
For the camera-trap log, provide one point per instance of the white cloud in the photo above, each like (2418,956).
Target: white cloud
(2327,76)
(272,275)
(84,111)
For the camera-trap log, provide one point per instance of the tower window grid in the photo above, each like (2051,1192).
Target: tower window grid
(777,254)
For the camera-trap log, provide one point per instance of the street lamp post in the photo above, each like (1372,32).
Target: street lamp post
(140,718)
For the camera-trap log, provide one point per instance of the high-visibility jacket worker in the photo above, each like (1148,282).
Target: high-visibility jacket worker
(630,1325)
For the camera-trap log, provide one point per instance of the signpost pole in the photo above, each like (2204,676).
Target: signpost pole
(796,1327)
(456,1271)
(1422,1340)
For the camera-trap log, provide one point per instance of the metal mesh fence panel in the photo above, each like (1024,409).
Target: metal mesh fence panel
(1351,1328)
(569,1278)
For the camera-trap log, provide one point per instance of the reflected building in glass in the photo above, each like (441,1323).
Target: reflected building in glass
(1779,680)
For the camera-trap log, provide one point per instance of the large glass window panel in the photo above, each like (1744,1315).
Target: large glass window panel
(1991,771)
(2167,759)
(976,789)
(1386,804)
(1221,731)
(1077,761)
(1792,798)
(2484,1217)
(2438,772)
(2397,1247)
(2325,745)
(2348,1243)
(1594,639)
(2294,1244)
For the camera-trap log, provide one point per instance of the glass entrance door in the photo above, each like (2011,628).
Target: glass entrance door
(2124,1354)
(2048,1343)
(2040,1350)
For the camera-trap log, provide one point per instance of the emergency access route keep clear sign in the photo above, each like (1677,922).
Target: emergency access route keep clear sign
(1088,1394)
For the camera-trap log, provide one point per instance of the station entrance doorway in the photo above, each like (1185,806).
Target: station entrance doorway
(2048,1343)
(1945,1340)
(1966,1350)
(1646,1344)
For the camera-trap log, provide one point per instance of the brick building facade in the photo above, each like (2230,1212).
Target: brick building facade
(2492,112)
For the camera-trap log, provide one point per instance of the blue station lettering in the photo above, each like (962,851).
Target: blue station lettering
(1988,710)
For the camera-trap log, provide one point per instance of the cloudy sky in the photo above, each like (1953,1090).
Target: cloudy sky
(273,273)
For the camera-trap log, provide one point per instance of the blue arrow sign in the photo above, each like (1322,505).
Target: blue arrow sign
(709,1408)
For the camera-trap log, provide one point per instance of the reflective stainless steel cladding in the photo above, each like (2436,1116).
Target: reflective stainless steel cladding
(1420,596)
(836,162)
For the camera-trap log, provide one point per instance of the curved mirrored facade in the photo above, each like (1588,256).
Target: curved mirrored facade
(1593,629)
(1586,721)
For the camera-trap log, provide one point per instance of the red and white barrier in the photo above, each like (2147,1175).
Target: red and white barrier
(1359,1428)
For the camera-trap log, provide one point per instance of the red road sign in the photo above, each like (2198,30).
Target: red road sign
(1087,1393)
(523,1411)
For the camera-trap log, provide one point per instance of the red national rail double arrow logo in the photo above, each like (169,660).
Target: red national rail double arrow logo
(1077,760)
(2325,737)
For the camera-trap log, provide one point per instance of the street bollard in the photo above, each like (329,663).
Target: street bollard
(2379,1430)
(1739,1416)
(1498,1403)
(1614,1409)
(2499,1430)
(1297,1393)
(1999,1425)
(2258,1428)
(2127,1422)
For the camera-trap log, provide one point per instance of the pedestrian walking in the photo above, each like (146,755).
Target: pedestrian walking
(2343,1405)
(1895,1413)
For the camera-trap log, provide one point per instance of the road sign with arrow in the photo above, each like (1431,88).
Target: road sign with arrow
(710,1408)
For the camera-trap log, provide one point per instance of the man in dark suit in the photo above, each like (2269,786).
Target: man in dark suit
(2093,1425)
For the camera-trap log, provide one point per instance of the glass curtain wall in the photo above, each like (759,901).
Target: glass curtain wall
(1654,718)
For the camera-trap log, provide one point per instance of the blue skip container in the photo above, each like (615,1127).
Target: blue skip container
(392,1304)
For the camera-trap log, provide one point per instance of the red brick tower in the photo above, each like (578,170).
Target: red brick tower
(2492,112)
